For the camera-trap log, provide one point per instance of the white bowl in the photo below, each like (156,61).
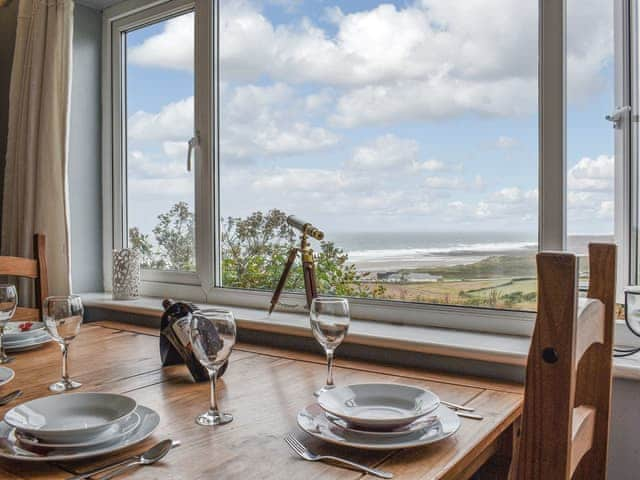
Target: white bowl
(71,417)
(115,432)
(378,406)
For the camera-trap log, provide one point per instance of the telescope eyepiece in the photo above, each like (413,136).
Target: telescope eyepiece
(305,227)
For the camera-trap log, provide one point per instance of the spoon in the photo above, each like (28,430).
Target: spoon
(9,397)
(152,455)
(162,447)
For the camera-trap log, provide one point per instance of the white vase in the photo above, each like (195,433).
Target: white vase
(126,274)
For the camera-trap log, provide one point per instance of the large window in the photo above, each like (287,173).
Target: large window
(408,131)
(420,164)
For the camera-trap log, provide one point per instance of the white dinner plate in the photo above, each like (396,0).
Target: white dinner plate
(10,449)
(419,424)
(12,330)
(380,406)
(6,375)
(111,434)
(24,346)
(313,420)
(18,341)
(70,417)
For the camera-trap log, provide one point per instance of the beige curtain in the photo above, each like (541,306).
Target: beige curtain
(35,188)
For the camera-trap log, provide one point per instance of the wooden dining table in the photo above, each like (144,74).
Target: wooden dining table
(264,388)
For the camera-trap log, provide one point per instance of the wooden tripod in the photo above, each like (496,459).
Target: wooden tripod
(308,271)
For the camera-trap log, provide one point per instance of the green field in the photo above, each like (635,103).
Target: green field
(494,282)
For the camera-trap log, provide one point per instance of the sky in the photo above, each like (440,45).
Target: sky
(366,116)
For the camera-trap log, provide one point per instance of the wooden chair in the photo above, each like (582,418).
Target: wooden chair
(36,269)
(565,421)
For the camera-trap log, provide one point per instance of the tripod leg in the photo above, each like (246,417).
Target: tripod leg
(310,285)
(283,279)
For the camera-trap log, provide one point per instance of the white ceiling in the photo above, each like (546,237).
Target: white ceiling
(98,4)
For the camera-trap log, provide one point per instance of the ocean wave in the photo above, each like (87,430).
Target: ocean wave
(459,249)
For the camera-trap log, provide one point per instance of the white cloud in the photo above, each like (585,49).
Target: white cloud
(448,183)
(505,142)
(592,174)
(429,59)
(257,120)
(392,152)
(269,120)
(172,48)
(174,121)
(387,151)
(301,179)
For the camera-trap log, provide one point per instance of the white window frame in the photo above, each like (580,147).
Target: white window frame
(203,286)
(116,22)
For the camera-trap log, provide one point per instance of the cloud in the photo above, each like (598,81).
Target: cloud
(256,121)
(270,120)
(592,174)
(172,48)
(448,183)
(395,63)
(505,142)
(174,121)
(392,152)
(301,179)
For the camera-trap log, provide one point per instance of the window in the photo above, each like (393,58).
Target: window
(590,138)
(420,166)
(159,123)
(409,132)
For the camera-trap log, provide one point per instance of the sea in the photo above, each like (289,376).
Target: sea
(392,251)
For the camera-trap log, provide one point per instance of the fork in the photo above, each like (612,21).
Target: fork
(307,454)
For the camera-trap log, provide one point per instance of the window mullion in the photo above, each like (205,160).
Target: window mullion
(552,126)
(204,158)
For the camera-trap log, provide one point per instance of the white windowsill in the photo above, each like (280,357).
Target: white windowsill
(494,348)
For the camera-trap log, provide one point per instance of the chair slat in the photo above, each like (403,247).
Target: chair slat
(18,267)
(26,314)
(584,419)
(590,325)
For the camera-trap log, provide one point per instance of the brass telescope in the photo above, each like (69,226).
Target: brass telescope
(305,227)
(308,264)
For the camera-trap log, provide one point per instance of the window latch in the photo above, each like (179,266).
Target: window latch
(617,116)
(193,143)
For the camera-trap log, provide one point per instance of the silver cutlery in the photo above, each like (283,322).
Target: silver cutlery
(305,453)
(10,397)
(473,416)
(455,406)
(159,448)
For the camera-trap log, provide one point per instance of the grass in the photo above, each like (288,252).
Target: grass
(495,282)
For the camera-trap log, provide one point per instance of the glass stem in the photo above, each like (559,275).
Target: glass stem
(2,341)
(65,351)
(329,367)
(213,374)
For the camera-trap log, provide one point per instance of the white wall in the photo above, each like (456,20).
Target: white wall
(85,187)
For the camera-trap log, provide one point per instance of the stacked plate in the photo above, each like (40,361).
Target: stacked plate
(379,416)
(20,336)
(74,426)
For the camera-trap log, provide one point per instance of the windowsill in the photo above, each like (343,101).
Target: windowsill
(492,348)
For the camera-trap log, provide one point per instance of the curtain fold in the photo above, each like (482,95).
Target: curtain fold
(35,182)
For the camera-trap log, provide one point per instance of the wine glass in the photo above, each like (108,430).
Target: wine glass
(63,318)
(8,304)
(213,335)
(329,324)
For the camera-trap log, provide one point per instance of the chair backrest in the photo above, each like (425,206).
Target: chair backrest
(35,268)
(565,420)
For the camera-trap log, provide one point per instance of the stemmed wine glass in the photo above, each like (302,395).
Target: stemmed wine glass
(329,324)
(8,304)
(63,318)
(213,335)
